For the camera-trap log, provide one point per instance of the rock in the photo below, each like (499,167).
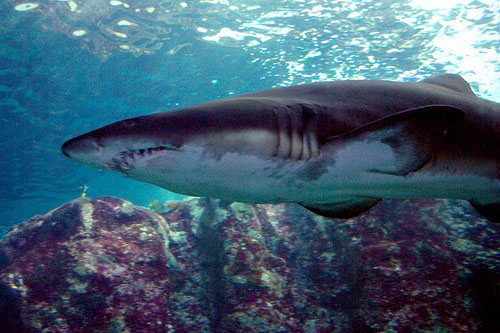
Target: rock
(206,265)
(98,264)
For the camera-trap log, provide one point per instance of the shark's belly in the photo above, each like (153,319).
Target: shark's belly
(301,182)
(415,185)
(237,177)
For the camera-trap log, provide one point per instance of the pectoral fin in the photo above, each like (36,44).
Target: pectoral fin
(398,144)
(490,211)
(345,209)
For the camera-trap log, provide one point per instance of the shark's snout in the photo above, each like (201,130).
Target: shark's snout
(78,146)
(113,153)
(85,149)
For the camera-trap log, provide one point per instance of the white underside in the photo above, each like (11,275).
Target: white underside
(248,178)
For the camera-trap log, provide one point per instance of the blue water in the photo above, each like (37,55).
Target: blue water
(55,84)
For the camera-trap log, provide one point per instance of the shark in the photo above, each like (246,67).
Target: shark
(336,148)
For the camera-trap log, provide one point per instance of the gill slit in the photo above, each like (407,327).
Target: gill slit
(295,135)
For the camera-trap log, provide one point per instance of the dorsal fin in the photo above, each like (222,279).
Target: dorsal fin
(450,81)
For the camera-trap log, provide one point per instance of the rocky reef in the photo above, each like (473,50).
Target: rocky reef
(106,265)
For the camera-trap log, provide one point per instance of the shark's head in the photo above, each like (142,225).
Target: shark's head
(218,128)
(117,145)
(202,144)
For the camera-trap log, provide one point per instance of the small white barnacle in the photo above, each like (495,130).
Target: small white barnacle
(72,5)
(22,7)
(119,34)
(125,23)
(79,32)
(119,3)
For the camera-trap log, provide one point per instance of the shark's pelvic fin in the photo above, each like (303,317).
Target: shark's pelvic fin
(412,136)
(450,81)
(490,211)
(343,210)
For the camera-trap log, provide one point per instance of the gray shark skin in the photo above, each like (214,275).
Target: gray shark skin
(336,148)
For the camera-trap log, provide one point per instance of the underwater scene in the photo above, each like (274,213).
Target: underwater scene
(84,248)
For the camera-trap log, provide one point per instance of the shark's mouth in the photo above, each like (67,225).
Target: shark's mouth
(126,159)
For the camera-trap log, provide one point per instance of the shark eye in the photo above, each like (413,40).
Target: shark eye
(129,123)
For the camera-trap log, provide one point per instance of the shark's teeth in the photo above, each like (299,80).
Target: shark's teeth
(126,159)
